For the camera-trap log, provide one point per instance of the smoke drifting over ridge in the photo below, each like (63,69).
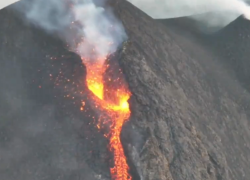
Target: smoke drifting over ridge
(83,25)
(210,12)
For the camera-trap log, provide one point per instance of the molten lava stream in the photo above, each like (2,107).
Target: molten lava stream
(117,108)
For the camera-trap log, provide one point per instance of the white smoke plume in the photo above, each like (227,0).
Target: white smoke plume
(217,12)
(85,26)
(101,30)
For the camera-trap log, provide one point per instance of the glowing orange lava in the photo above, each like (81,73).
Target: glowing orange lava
(114,101)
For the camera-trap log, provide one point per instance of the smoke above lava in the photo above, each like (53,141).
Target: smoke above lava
(94,33)
(210,12)
(83,25)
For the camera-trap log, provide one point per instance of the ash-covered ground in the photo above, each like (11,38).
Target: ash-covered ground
(44,135)
(189,108)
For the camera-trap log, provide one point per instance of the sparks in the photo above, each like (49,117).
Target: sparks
(115,103)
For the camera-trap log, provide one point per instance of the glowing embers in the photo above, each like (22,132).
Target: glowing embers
(94,78)
(111,98)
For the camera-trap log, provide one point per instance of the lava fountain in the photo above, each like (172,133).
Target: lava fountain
(93,33)
(102,34)
(112,101)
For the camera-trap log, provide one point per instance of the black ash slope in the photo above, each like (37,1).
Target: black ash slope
(191,108)
(43,133)
(230,44)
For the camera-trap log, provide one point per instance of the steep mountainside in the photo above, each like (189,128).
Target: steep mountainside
(186,91)
(230,44)
(189,116)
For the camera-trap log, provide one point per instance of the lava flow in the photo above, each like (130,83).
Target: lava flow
(114,102)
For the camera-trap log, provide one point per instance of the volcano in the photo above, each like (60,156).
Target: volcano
(188,112)
(230,44)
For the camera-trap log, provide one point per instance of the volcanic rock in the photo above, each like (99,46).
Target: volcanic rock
(230,44)
(189,113)
(190,110)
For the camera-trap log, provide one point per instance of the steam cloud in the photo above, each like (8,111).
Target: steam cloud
(85,26)
(217,12)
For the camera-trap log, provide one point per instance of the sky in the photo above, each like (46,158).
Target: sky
(217,12)
(220,12)
(178,8)
(4,3)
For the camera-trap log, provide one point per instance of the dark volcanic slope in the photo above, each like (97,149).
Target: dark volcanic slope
(231,44)
(188,23)
(187,116)
(190,107)
(42,133)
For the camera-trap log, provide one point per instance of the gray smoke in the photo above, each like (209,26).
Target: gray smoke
(212,12)
(89,30)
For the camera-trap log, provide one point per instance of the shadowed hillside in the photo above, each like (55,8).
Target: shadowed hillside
(230,43)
